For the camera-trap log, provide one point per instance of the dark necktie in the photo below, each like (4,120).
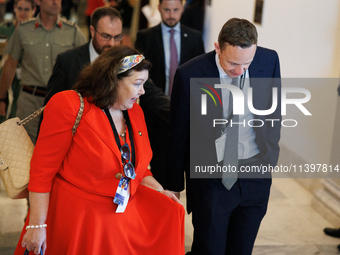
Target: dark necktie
(173,60)
(231,147)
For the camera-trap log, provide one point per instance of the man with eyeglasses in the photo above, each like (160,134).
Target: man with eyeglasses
(106,31)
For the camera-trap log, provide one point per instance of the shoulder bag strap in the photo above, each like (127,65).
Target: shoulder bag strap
(39,111)
(31,117)
(80,113)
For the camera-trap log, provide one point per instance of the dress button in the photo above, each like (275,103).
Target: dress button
(118,175)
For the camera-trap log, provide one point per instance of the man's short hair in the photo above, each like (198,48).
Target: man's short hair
(161,1)
(102,12)
(237,32)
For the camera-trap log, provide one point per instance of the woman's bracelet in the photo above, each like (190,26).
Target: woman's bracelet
(36,226)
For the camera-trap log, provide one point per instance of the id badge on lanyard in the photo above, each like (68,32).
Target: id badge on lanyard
(122,194)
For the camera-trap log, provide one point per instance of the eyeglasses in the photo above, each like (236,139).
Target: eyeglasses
(129,169)
(107,38)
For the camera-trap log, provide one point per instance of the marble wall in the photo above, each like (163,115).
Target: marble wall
(327,199)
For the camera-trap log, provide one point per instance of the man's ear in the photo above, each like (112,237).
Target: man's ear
(217,48)
(92,31)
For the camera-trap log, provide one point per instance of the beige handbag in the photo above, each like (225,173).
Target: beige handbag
(16,149)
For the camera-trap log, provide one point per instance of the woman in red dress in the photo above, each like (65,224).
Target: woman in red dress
(78,202)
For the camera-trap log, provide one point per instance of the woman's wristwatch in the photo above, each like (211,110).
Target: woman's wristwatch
(2,99)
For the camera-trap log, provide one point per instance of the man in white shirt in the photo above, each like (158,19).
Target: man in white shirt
(226,209)
(155,44)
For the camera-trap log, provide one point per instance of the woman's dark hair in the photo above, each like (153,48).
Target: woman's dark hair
(99,80)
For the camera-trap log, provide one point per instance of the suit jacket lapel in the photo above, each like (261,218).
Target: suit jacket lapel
(184,44)
(256,71)
(100,124)
(137,133)
(83,56)
(160,48)
(210,70)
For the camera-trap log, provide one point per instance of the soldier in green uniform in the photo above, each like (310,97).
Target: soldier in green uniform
(37,42)
(23,10)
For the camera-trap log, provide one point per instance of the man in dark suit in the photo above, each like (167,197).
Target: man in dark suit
(155,44)
(106,31)
(226,219)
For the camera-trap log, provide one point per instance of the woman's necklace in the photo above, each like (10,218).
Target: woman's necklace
(122,119)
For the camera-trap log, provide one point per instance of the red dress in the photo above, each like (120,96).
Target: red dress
(80,173)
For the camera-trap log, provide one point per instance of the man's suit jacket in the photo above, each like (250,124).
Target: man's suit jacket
(265,65)
(150,43)
(68,66)
(66,69)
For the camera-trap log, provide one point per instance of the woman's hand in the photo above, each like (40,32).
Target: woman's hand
(34,240)
(151,182)
(171,194)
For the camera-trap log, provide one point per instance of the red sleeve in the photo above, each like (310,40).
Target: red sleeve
(54,140)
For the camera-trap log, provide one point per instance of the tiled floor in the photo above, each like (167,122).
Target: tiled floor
(291,226)
(12,215)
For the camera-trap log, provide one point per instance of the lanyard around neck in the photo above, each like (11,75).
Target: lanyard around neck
(129,127)
(243,77)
